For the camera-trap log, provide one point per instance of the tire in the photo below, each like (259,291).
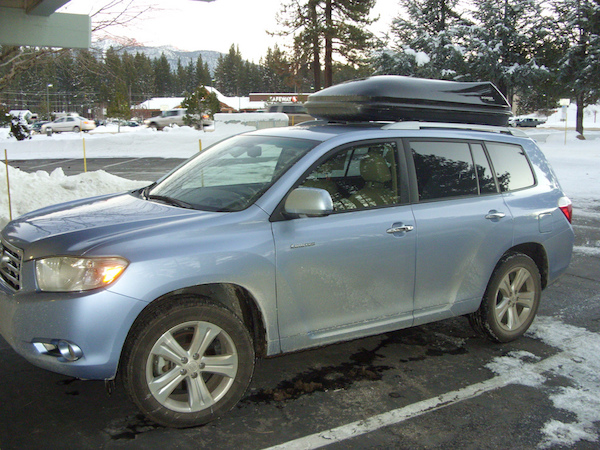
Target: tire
(167,369)
(75,129)
(154,126)
(511,299)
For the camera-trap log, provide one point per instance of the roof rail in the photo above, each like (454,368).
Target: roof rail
(460,126)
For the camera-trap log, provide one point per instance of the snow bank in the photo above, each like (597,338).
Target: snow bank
(36,190)
(591,118)
(577,165)
(106,142)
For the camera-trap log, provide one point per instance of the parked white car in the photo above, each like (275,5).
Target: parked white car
(69,123)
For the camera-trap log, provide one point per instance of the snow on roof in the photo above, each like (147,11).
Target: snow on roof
(161,103)
(236,103)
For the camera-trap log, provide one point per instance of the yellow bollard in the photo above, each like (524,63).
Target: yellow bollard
(84,158)
(8,185)
(200,144)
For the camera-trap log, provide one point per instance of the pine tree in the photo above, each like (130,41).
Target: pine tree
(276,74)
(119,106)
(228,73)
(163,78)
(322,28)
(199,104)
(202,73)
(425,41)
(578,32)
(502,46)
(144,84)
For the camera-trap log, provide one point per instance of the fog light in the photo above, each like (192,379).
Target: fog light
(69,351)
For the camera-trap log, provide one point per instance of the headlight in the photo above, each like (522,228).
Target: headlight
(72,274)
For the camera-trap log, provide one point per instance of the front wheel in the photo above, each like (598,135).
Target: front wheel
(510,301)
(187,363)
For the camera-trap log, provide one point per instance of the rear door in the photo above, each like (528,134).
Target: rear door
(463,225)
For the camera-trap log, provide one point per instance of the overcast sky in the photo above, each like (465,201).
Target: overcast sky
(198,25)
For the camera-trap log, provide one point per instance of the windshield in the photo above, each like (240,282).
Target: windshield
(232,174)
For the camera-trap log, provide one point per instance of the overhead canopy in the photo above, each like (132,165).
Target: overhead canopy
(36,23)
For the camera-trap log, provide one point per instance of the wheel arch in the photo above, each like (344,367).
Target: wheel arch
(231,296)
(538,254)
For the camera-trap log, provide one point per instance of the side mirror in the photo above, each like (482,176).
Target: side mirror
(309,202)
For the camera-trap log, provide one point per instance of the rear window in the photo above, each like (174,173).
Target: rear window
(511,165)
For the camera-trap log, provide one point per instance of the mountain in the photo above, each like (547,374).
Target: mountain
(173,54)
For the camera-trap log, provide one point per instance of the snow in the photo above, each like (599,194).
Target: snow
(421,58)
(578,360)
(236,103)
(106,142)
(591,118)
(576,162)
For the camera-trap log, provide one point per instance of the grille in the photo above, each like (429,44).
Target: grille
(10,265)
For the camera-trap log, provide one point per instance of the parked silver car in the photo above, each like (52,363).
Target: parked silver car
(166,118)
(68,123)
(280,240)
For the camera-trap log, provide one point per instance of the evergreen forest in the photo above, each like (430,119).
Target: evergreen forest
(535,51)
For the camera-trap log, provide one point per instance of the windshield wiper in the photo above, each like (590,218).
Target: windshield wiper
(144,191)
(170,201)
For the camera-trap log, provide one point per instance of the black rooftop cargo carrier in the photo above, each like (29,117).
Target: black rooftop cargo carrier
(395,98)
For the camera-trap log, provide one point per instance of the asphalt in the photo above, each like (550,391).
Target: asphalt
(142,169)
(352,385)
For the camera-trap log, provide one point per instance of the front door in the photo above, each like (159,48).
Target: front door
(351,273)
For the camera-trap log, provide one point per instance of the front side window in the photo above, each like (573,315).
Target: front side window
(359,177)
(230,175)
(511,165)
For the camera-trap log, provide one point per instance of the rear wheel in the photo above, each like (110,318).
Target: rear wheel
(510,301)
(75,129)
(188,363)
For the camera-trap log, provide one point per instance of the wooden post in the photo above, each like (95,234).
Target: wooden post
(84,158)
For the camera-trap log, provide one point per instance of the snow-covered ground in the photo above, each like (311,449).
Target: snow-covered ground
(576,162)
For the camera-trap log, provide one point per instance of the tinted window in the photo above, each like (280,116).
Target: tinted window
(511,165)
(359,177)
(444,169)
(485,176)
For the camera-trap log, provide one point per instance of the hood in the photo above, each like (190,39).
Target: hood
(76,227)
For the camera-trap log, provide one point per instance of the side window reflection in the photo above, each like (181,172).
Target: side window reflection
(444,169)
(359,177)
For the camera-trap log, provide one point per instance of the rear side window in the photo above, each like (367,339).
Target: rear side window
(511,166)
(444,169)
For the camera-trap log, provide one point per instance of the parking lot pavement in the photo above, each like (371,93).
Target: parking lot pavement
(143,169)
(424,387)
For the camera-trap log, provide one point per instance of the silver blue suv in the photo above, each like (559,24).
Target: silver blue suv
(280,240)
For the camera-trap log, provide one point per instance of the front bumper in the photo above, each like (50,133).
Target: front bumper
(97,322)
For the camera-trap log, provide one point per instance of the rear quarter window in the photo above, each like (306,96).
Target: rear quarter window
(511,166)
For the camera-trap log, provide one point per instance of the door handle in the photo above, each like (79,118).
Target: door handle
(495,215)
(400,229)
